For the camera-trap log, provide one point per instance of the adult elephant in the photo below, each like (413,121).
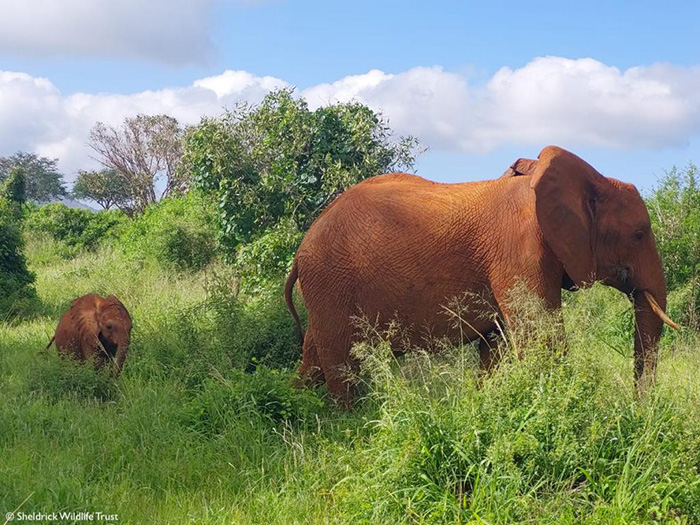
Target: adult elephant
(399,246)
(95,328)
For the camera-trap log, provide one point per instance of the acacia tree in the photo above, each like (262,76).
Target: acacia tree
(279,163)
(43,180)
(144,150)
(106,187)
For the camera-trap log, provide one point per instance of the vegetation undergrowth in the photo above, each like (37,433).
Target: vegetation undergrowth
(206,425)
(551,437)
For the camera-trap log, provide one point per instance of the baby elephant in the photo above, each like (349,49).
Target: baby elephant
(95,327)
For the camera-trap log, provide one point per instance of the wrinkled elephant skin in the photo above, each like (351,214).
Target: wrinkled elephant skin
(398,246)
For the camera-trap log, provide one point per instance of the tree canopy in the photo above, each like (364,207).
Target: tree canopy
(107,187)
(280,161)
(43,180)
(144,151)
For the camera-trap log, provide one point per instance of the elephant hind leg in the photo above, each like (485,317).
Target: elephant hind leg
(337,365)
(310,369)
(490,352)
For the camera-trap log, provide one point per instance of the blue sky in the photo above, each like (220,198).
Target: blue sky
(617,83)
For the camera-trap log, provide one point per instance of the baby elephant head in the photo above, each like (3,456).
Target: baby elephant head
(114,329)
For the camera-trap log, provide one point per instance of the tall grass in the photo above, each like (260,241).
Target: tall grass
(205,425)
(552,437)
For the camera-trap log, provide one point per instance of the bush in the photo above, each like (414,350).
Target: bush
(222,331)
(269,257)
(552,437)
(254,330)
(176,232)
(74,228)
(674,209)
(16,281)
(57,377)
(267,393)
(280,161)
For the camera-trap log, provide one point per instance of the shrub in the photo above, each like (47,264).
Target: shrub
(75,229)
(269,257)
(16,281)
(674,209)
(184,341)
(552,437)
(268,393)
(176,232)
(281,161)
(56,377)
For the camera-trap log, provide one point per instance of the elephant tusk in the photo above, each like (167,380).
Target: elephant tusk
(658,311)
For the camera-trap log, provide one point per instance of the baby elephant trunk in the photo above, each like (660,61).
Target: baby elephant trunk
(122,351)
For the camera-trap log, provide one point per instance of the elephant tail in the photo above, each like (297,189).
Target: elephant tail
(288,289)
(51,342)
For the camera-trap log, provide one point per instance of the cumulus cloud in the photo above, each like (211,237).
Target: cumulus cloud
(550,99)
(174,31)
(594,104)
(576,103)
(424,102)
(34,116)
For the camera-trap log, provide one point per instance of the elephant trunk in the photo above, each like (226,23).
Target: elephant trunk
(647,332)
(650,316)
(122,350)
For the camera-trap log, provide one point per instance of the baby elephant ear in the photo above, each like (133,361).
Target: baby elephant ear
(84,312)
(566,191)
(520,167)
(112,299)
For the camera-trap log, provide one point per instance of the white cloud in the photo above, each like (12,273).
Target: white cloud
(239,84)
(549,100)
(425,102)
(173,31)
(588,102)
(574,103)
(35,117)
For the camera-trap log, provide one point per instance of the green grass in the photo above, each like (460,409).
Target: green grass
(205,426)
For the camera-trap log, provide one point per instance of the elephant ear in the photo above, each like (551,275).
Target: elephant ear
(565,189)
(112,300)
(520,167)
(85,313)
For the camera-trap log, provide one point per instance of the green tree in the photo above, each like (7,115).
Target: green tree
(107,187)
(14,192)
(43,180)
(280,160)
(674,209)
(16,281)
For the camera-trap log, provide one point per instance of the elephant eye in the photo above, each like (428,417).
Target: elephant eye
(639,234)
(109,326)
